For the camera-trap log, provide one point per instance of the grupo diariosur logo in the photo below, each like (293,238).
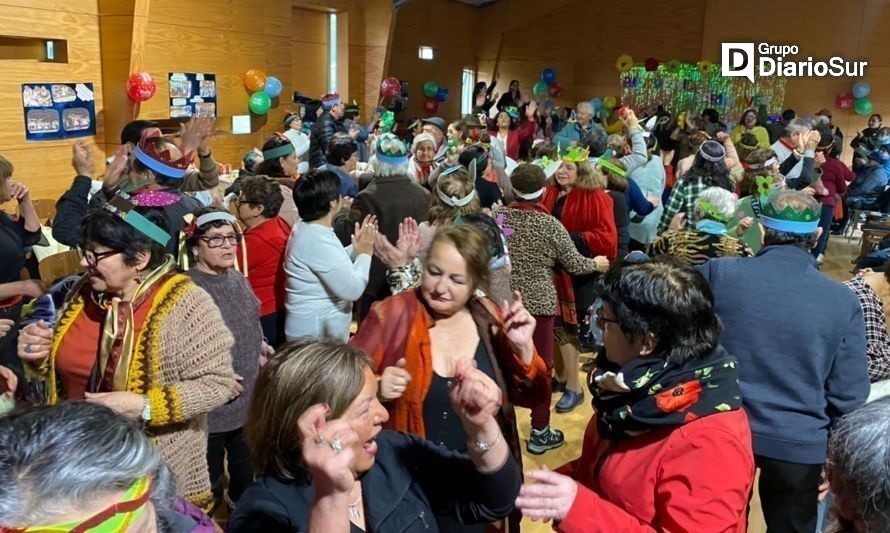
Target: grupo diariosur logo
(739,59)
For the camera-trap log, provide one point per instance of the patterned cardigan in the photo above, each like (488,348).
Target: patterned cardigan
(183,363)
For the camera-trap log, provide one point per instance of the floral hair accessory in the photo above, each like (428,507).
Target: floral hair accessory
(709,210)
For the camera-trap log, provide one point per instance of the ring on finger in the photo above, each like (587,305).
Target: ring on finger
(321,440)
(28,349)
(336,445)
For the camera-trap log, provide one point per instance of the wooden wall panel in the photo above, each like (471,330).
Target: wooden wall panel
(45,167)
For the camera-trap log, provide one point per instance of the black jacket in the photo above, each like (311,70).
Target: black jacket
(322,132)
(411,482)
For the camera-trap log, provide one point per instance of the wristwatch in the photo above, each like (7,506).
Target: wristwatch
(146,409)
(483,447)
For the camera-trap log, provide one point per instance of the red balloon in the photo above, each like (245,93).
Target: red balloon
(390,88)
(431,105)
(141,86)
(844,101)
(555,89)
(652,64)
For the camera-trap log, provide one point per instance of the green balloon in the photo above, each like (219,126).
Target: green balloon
(863,106)
(430,89)
(259,103)
(540,88)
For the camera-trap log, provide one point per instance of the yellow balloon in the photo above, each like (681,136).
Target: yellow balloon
(705,66)
(624,63)
(609,102)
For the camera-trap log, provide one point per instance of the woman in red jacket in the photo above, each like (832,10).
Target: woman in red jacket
(512,133)
(578,199)
(670,447)
(265,239)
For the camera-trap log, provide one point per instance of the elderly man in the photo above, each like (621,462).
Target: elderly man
(328,124)
(788,146)
(392,197)
(573,131)
(858,470)
(799,337)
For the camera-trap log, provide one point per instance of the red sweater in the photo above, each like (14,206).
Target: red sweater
(590,214)
(835,176)
(697,477)
(266,245)
(522,133)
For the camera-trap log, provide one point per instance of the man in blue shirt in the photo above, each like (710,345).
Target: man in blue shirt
(342,158)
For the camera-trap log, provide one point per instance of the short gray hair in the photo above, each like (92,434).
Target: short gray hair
(585,104)
(797,125)
(57,460)
(859,466)
(722,200)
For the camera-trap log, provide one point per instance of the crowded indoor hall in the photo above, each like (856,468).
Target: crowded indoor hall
(386,266)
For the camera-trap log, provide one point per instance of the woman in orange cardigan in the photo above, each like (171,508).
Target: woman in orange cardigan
(418,337)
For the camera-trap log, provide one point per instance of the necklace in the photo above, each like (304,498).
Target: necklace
(355,512)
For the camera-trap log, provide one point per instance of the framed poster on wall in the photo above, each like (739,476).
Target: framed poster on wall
(192,95)
(58,110)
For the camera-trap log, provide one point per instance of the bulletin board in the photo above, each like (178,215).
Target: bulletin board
(192,95)
(55,111)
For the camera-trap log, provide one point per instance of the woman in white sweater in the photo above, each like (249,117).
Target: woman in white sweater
(323,278)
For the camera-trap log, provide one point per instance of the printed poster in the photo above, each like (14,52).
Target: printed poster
(58,110)
(192,95)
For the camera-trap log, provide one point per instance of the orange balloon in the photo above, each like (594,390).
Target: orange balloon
(255,80)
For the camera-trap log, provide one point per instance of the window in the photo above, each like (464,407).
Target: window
(468,81)
(332,53)
(15,48)
(425,53)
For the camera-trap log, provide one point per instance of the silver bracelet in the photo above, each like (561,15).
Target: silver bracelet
(483,447)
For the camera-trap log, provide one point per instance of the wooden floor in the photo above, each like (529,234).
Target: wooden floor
(837,265)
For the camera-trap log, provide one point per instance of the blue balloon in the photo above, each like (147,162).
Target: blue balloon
(861,89)
(597,104)
(442,94)
(273,87)
(548,75)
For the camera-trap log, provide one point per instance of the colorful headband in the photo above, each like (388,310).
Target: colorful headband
(768,163)
(709,210)
(454,201)
(124,209)
(532,195)
(450,170)
(157,166)
(789,226)
(327,104)
(614,168)
(279,151)
(392,159)
(712,158)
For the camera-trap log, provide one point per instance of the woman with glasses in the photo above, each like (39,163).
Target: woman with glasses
(265,240)
(669,448)
(324,279)
(138,337)
(212,239)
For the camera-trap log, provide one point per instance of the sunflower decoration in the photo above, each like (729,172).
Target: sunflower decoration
(673,66)
(705,66)
(624,63)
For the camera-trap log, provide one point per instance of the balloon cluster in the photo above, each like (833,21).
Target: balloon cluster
(263,89)
(434,96)
(857,99)
(141,87)
(548,84)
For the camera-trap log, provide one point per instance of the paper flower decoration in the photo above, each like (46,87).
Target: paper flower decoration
(624,63)
(705,66)
(651,64)
(673,66)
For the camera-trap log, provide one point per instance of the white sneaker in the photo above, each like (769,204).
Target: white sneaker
(820,259)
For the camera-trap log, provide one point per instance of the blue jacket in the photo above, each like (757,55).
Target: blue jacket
(573,131)
(348,186)
(868,186)
(411,478)
(799,337)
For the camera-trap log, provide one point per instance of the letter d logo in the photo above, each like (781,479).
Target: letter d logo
(737,59)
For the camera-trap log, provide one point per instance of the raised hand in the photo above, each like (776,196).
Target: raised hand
(195,134)
(519,327)
(328,451)
(364,236)
(82,159)
(35,341)
(475,397)
(409,237)
(394,381)
(18,192)
(550,497)
(115,170)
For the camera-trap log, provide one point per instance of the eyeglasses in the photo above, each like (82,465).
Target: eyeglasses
(93,258)
(242,201)
(601,319)
(218,240)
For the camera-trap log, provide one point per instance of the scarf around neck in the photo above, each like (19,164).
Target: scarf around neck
(651,393)
(711,226)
